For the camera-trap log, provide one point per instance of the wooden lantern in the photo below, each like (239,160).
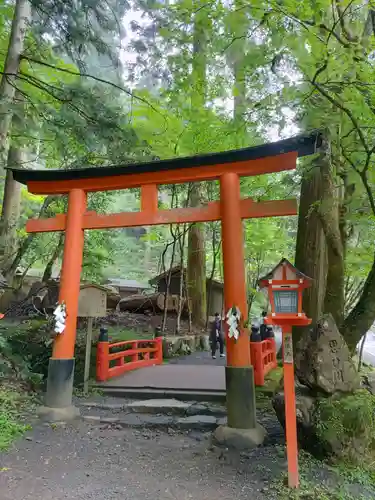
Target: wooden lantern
(285,285)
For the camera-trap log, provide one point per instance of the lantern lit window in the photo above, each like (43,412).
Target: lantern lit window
(285,285)
(286,301)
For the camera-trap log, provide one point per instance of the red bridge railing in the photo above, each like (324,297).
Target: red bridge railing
(263,358)
(115,359)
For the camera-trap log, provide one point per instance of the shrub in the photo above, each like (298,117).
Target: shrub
(346,425)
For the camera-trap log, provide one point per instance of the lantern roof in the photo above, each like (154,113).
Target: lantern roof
(271,275)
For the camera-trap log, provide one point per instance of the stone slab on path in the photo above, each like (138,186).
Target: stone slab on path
(155,406)
(162,422)
(200,422)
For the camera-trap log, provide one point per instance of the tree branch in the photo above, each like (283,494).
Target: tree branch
(92,77)
(347,111)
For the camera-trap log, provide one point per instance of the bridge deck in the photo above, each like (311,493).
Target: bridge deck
(195,372)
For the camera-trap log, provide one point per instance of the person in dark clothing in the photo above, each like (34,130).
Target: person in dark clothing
(217,336)
(263,326)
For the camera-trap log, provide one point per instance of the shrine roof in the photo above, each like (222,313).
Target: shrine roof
(303,145)
(270,275)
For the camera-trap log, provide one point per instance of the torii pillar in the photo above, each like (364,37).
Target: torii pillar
(239,373)
(58,400)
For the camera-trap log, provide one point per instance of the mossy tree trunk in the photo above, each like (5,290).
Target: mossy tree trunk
(329,213)
(320,250)
(47,275)
(311,249)
(196,265)
(21,18)
(362,315)
(11,207)
(237,53)
(196,259)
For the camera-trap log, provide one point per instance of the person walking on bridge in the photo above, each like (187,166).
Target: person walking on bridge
(217,337)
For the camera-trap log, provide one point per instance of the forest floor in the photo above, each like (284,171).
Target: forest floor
(88,460)
(146,324)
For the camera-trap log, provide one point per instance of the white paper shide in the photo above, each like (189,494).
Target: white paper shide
(60,318)
(233,321)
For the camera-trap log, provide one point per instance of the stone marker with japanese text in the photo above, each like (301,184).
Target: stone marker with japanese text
(323,360)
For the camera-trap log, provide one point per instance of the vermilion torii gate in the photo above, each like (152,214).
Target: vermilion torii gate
(227,167)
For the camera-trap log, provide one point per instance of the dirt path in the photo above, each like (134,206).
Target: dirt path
(82,462)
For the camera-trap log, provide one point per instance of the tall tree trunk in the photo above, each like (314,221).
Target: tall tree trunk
(237,56)
(147,251)
(311,251)
(362,315)
(21,18)
(182,295)
(196,261)
(10,271)
(196,265)
(51,262)
(10,212)
(216,245)
(329,212)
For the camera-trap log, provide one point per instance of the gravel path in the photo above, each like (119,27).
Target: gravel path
(82,462)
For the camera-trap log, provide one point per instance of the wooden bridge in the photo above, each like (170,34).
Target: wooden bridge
(136,369)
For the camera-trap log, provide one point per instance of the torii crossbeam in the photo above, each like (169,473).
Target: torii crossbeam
(226,167)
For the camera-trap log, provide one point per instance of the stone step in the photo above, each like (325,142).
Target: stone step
(153,407)
(162,422)
(150,393)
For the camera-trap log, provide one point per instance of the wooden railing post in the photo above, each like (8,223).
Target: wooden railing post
(257,360)
(159,352)
(102,354)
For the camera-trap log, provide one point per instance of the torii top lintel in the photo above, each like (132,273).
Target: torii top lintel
(267,158)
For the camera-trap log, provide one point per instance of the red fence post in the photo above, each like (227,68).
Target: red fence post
(102,353)
(257,360)
(263,356)
(159,352)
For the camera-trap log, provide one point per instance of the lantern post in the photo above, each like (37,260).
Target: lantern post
(285,285)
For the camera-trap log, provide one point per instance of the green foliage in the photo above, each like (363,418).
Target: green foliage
(349,423)
(320,481)
(11,403)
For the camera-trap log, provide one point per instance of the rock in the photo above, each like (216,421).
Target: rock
(57,415)
(323,361)
(175,345)
(185,349)
(206,409)
(305,407)
(92,418)
(339,426)
(369,382)
(109,420)
(190,342)
(240,439)
(103,406)
(157,406)
(205,342)
(197,422)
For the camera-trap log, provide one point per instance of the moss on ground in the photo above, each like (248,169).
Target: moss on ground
(12,405)
(120,334)
(346,426)
(322,481)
